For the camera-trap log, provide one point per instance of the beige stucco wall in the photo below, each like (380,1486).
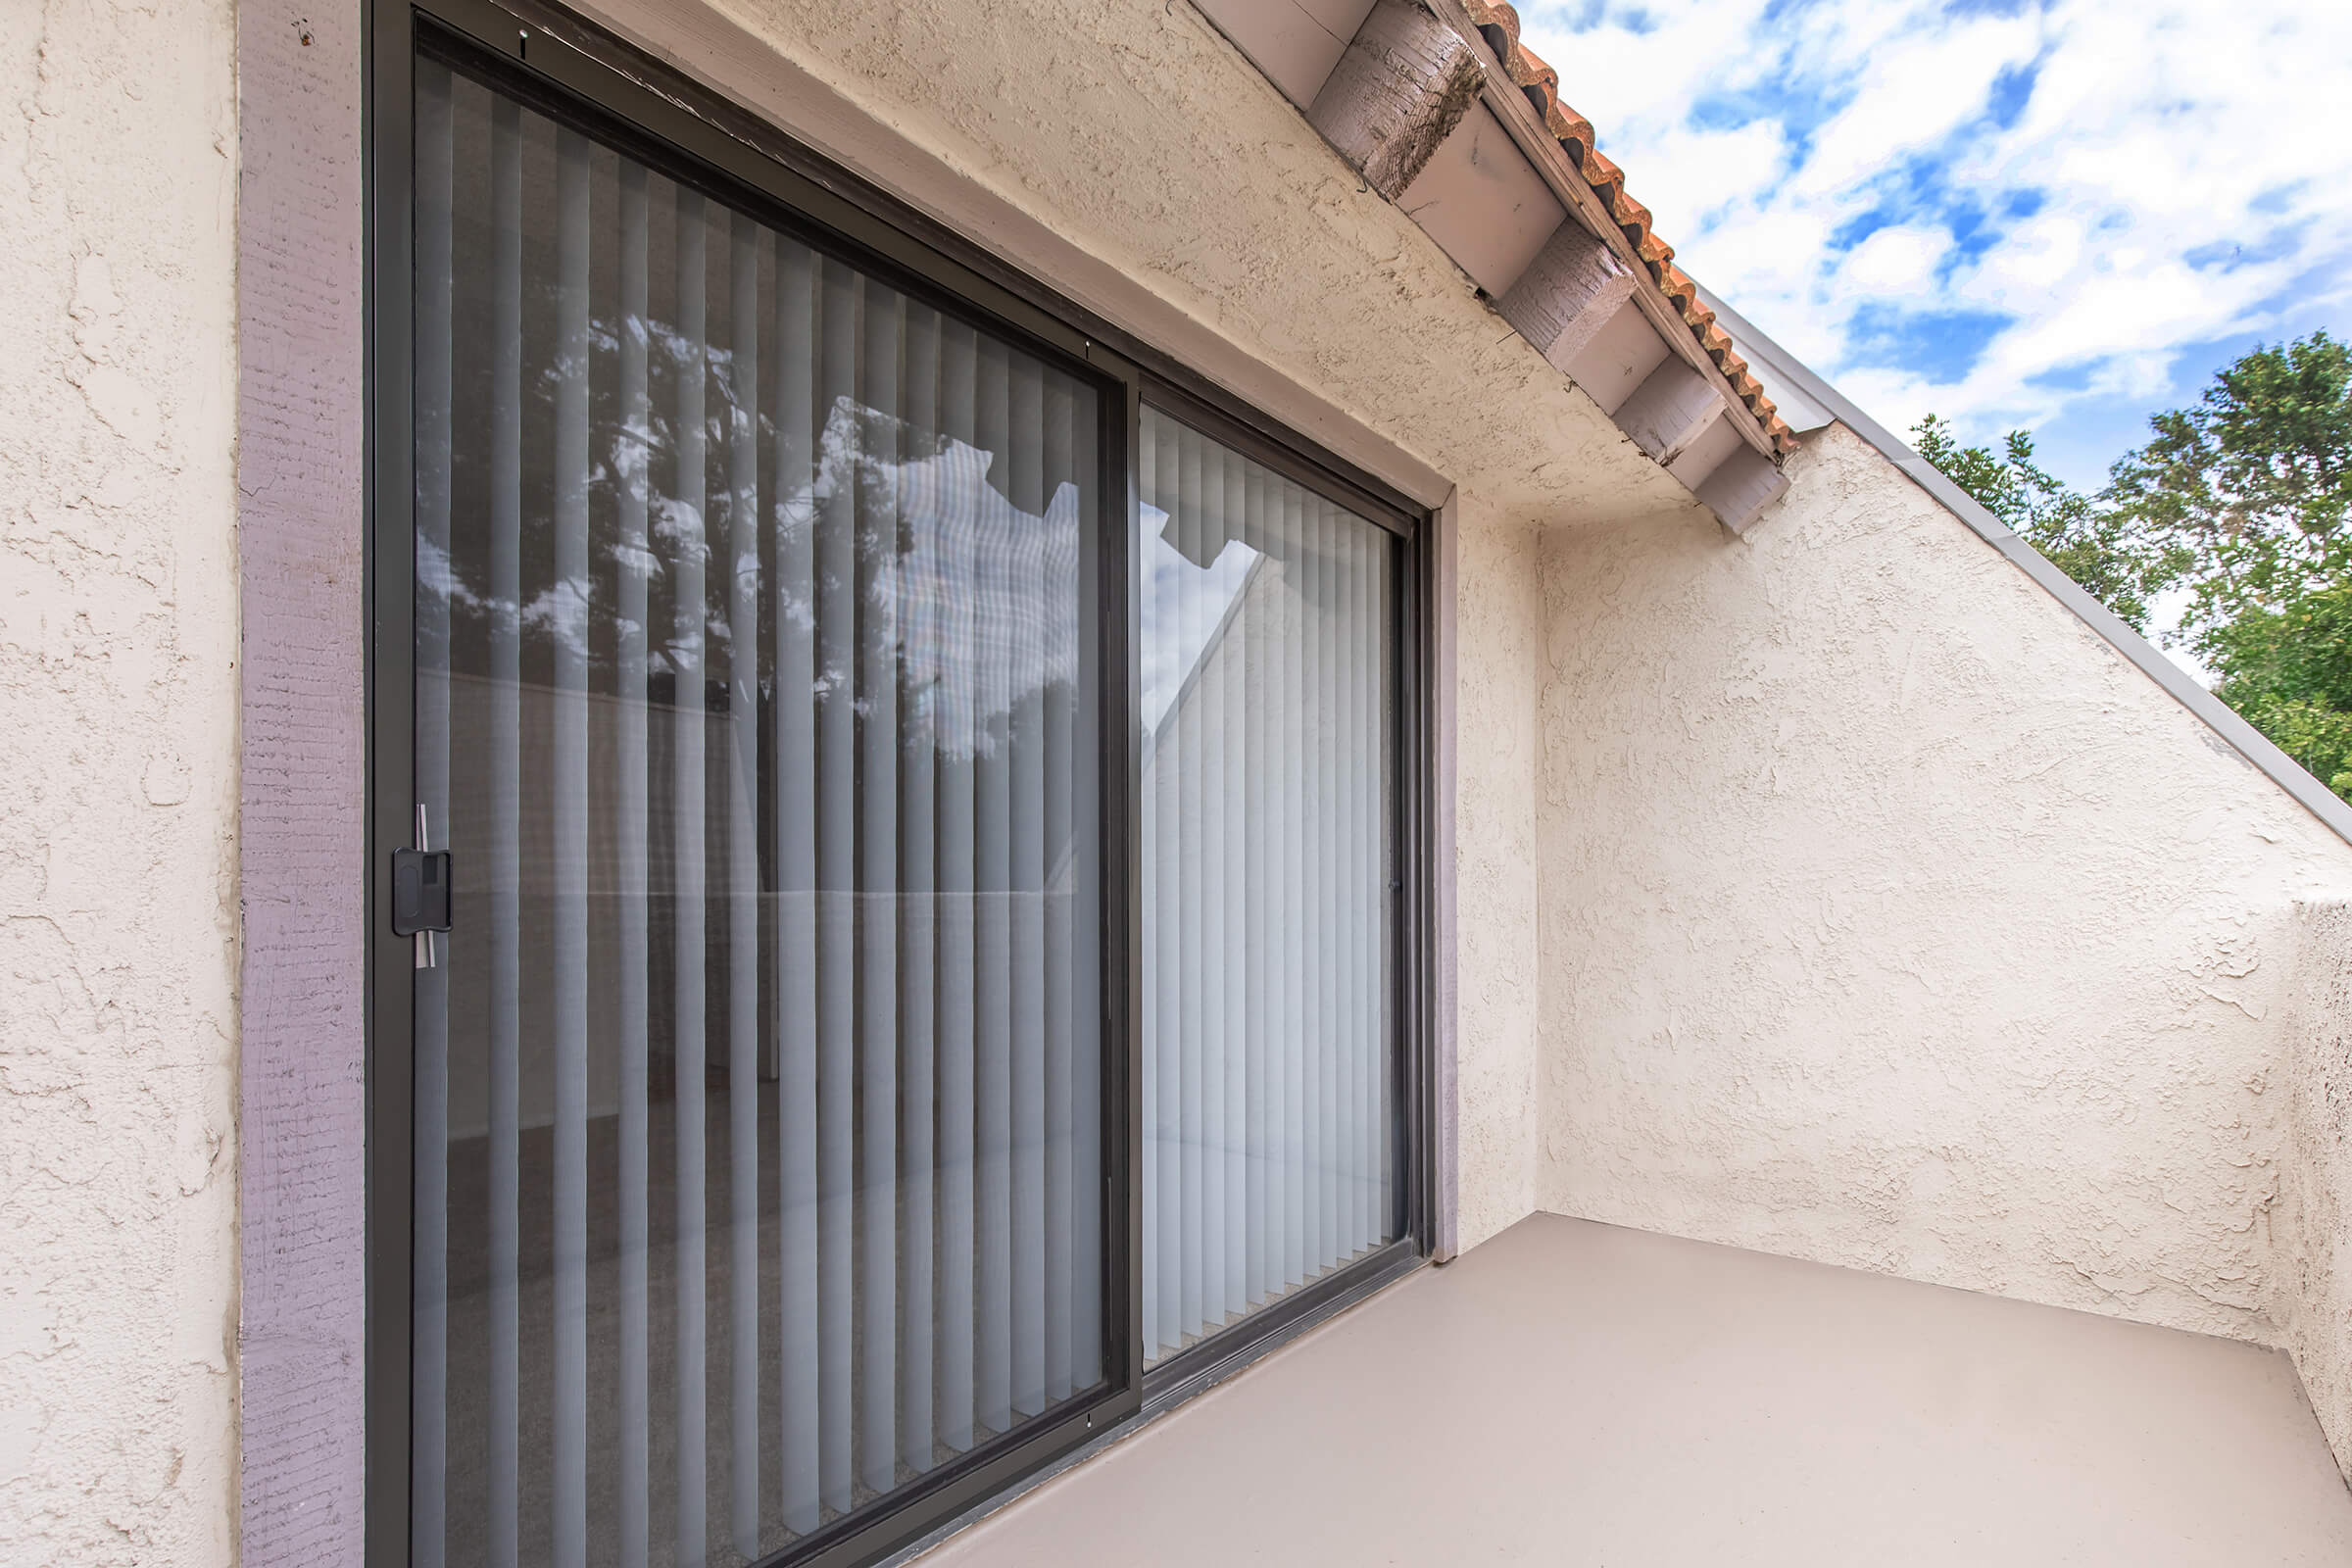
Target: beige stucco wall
(1892,918)
(1498,1017)
(2313,1290)
(117,697)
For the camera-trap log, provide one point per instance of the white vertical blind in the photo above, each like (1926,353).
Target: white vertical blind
(501,842)
(742,562)
(837,840)
(1264,824)
(567,607)
(685,561)
(632,571)
(917,952)
(992,995)
(796,829)
(760,1130)
(957,634)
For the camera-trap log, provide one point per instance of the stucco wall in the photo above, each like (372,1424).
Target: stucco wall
(1499,964)
(2314,1288)
(1892,919)
(117,698)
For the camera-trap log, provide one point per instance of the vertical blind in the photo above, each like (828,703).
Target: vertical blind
(759,1126)
(1267,1097)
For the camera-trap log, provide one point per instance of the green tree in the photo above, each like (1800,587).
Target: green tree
(2254,486)
(2101,549)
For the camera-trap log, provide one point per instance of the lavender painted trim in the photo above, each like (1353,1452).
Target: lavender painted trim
(302,1113)
(1445,1131)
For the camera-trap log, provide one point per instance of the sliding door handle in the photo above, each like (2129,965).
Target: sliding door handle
(420,901)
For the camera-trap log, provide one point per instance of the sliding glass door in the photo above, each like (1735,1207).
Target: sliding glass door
(923,808)
(1267,1071)
(759,1116)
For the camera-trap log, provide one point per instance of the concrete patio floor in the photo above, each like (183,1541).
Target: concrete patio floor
(1577,1394)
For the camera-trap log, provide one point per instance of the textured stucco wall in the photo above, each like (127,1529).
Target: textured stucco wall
(117,697)
(1498,1020)
(1892,919)
(2314,1284)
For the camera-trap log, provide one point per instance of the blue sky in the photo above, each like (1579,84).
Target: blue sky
(2055,215)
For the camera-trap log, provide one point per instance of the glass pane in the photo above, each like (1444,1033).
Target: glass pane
(1264,734)
(758,1109)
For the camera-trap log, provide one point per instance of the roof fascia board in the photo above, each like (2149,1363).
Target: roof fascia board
(2224,721)
(1541,148)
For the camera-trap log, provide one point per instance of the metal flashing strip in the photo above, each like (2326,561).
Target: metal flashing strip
(2250,743)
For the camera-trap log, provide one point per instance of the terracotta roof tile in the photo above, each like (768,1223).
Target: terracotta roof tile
(1495,19)
(1599,172)
(1500,23)
(1564,122)
(1528,70)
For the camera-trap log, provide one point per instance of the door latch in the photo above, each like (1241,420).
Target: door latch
(420,901)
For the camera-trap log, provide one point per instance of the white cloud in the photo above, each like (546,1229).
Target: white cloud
(1896,262)
(2172,177)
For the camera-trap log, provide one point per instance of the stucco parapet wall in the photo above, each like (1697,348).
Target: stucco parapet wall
(2249,742)
(2313,1296)
(1889,920)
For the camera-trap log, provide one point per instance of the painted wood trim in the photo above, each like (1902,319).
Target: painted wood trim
(1290,45)
(1403,83)
(1543,149)
(1671,408)
(1444,1129)
(1619,355)
(1567,294)
(302,1043)
(1740,487)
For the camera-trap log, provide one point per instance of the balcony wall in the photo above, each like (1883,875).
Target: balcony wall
(2314,1278)
(1892,918)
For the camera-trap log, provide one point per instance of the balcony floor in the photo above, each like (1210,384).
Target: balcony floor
(1576,1393)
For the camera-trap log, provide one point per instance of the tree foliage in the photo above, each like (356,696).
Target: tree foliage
(2096,547)
(2254,485)
(2244,500)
